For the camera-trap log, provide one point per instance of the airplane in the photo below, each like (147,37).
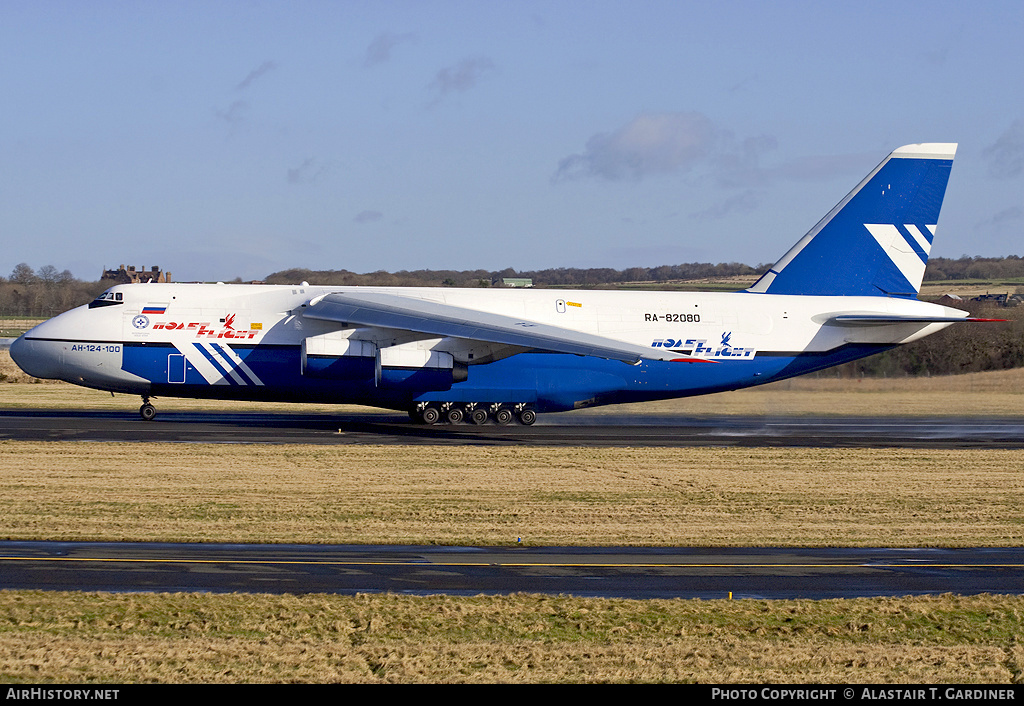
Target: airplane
(846,290)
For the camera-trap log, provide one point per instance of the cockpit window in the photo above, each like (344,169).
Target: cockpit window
(107,299)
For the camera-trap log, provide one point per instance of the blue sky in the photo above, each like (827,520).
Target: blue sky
(224,139)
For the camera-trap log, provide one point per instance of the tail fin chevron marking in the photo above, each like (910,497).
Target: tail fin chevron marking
(908,260)
(876,241)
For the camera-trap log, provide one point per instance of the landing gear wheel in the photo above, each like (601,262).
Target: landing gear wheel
(503,415)
(147,412)
(478,415)
(527,417)
(430,415)
(454,415)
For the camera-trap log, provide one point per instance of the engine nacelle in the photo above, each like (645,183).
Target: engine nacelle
(414,366)
(332,357)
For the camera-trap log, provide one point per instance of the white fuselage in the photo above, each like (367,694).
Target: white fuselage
(212,327)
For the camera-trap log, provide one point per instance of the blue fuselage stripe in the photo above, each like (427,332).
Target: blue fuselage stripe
(237,368)
(552,381)
(213,360)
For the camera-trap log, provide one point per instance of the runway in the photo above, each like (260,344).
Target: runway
(613,572)
(568,429)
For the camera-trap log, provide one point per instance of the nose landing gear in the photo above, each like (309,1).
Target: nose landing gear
(147,411)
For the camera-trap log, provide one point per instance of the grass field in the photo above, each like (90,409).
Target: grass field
(494,495)
(83,638)
(704,496)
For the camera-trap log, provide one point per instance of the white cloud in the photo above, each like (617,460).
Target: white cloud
(743,202)
(379,51)
(234,114)
(1008,218)
(257,73)
(308,172)
(654,144)
(650,144)
(368,216)
(1006,156)
(461,77)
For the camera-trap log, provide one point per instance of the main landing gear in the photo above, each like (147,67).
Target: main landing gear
(147,411)
(473,412)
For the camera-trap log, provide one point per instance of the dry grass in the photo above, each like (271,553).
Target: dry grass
(11,373)
(79,638)
(492,495)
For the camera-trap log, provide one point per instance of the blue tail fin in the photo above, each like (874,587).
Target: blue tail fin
(876,241)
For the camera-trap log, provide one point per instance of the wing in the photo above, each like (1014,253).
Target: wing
(399,312)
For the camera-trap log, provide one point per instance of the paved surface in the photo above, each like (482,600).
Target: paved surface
(551,430)
(624,572)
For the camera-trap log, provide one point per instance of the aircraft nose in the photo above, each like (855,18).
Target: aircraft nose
(37,358)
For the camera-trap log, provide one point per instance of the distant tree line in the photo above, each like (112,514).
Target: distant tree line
(43,293)
(939,269)
(987,268)
(556,277)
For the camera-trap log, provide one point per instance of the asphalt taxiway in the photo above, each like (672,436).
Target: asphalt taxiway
(568,429)
(613,572)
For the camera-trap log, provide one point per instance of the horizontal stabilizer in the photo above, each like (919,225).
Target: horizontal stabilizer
(395,311)
(890,319)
